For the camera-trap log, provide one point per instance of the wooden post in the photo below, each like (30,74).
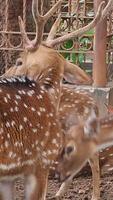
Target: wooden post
(99,65)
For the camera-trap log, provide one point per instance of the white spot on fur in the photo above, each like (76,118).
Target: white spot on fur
(25,119)
(25,105)
(38,113)
(14,165)
(16,102)
(40,96)
(33,109)
(11,110)
(34,130)
(20,127)
(42,143)
(16,109)
(10,154)
(7,124)
(42,109)
(13,123)
(26,151)
(6,144)
(18,96)
(102,158)
(54,141)
(5,114)
(30,93)
(5,99)
(111,154)
(8,95)
(47,133)
(8,135)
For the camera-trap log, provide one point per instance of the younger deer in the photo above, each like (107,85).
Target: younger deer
(106,156)
(77,105)
(82,141)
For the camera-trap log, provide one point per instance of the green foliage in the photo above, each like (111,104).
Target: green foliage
(84,44)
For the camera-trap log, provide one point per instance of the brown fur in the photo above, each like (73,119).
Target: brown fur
(83,145)
(29,132)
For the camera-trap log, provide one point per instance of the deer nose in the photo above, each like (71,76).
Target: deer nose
(57,175)
(64,178)
(61,177)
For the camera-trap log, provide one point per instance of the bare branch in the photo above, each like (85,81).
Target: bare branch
(80,31)
(107,9)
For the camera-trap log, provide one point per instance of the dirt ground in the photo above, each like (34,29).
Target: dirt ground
(81,188)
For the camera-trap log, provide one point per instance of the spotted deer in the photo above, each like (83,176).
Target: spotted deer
(29,131)
(106,156)
(76,105)
(84,139)
(39,56)
(43,52)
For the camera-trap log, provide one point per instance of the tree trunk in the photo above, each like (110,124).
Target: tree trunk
(99,65)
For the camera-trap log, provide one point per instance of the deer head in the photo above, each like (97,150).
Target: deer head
(39,55)
(82,141)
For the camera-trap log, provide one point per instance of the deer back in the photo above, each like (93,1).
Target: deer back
(75,105)
(29,129)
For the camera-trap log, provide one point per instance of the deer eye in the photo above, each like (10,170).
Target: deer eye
(69,149)
(19,62)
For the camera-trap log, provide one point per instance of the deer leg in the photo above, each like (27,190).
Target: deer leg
(94,163)
(63,188)
(42,178)
(6,191)
(30,187)
(1,198)
(36,185)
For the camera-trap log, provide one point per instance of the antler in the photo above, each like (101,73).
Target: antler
(52,42)
(40,22)
(53,30)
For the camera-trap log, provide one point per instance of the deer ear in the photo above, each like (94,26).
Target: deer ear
(75,75)
(70,78)
(92,125)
